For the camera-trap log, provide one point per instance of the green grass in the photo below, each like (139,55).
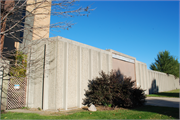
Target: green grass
(173,93)
(144,112)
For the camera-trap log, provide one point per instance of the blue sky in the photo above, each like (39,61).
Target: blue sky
(140,29)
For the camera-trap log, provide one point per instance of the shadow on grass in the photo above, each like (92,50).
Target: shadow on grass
(169,111)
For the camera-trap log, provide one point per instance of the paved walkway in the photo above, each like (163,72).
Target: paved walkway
(155,101)
(46,112)
(163,101)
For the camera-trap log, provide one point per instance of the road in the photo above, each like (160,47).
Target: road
(163,101)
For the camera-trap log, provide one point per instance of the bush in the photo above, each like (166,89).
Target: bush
(112,89)
(137,97)
(18,67)
(99,91)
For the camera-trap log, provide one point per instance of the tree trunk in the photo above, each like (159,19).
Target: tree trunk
(6,6)
(3,27)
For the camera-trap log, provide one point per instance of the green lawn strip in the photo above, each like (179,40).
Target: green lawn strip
(145,112)
(173,93)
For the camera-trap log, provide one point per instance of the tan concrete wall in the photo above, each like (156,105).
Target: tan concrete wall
(36,25)
(41,18)
(153,81)
(69,65)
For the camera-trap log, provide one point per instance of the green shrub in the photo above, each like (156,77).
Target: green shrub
(114,90)
(18,67)
(39,108)
(109,105)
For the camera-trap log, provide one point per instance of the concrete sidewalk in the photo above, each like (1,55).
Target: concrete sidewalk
(46,112)
(163,101)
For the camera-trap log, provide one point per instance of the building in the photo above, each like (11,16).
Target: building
(60,70)
(34,26)
(23,25)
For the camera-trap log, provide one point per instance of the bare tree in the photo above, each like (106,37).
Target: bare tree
(26,20)
(23,21)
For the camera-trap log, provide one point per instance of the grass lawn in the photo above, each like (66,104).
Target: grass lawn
(173,93)
(144,112)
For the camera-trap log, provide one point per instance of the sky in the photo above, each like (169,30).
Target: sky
(140,29)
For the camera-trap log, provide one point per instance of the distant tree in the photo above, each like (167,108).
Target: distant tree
(166,63)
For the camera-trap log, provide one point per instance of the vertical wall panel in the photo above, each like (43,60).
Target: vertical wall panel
(84,70)
(52,74)
(60,75)
(79,80)
(95,64)
(72,76)
(65,86)
(104,63)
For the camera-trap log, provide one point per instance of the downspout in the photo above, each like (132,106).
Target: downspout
(43,75)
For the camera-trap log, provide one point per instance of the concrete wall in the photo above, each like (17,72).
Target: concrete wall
(153,81)
(59,70)
(68,67)
(35,74)
(4,80)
